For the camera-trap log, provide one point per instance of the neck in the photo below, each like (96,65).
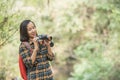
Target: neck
(30,39)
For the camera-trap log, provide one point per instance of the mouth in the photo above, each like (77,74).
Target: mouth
(33,34)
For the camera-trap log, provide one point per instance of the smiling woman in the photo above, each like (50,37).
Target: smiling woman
(37,57)
(31,30)
(27,30)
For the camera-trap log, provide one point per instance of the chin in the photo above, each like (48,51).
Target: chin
(31,36)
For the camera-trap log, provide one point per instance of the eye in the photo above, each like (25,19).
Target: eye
(29,29)
(33,27)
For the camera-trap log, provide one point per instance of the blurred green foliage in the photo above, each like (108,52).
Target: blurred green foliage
(99,55)
(85,32)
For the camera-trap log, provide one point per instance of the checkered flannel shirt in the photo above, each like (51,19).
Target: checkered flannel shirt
(41,68)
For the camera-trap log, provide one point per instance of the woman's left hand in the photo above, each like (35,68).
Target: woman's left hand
(47,43)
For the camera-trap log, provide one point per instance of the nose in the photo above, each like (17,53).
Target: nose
(33,30)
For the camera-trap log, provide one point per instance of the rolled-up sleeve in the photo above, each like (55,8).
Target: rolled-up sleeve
(50,56)
(26,56)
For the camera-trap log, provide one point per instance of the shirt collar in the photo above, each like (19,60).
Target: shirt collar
(30,42)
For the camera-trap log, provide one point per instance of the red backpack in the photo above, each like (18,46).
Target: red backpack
(22,66)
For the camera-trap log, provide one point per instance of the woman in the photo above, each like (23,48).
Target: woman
(37,59)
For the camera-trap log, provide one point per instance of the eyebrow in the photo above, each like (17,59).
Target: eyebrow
(31,27)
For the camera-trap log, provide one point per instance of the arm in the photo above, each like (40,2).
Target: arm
(25,53)
(28,57)
(49,50)
(33,56)
(50,54)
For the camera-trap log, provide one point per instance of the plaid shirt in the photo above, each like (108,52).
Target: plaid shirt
(40,69)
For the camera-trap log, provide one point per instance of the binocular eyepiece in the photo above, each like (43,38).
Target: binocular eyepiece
(46,37)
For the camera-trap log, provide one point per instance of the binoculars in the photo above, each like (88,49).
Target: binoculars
(45,37)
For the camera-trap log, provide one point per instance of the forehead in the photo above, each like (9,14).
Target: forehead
(30,24)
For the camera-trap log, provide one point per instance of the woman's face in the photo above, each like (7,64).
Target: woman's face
(31,30)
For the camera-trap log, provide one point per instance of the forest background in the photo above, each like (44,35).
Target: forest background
(86,34)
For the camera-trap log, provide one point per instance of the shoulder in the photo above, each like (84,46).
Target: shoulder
(22,47)
(24,44)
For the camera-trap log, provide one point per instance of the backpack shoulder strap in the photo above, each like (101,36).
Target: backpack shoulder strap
(27,46)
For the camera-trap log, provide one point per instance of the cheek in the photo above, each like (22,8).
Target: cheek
(29,32)
(35,30)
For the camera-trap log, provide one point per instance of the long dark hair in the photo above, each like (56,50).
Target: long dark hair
(23,30)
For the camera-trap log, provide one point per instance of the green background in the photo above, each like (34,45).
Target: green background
(86,34)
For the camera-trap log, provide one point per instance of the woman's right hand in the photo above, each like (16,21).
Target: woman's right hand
(36,48)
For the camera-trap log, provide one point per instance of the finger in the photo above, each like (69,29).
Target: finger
(47,41)
(35,38)
(44,41)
